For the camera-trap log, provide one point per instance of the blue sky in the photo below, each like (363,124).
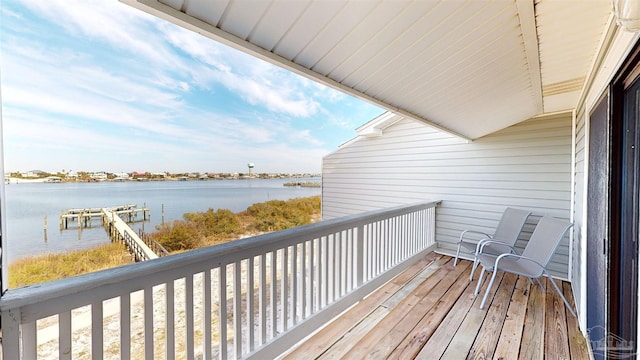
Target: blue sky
(98,85)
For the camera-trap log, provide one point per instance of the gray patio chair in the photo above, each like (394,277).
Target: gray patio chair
(534,259)
(503,240)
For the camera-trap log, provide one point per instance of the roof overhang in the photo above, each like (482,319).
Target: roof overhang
(375,127)
(468,68)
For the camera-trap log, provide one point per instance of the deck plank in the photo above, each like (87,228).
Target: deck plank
(441,337)
(387,343)
(351,338)
(455,338)
(463,340)
(577,344)
(532,345)
(414,341)
(360,330)
(511,335)
(365,348)
(429,312)
(487,339)
(556,340)
(331,333)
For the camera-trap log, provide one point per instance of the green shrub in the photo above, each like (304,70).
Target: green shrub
(276,215)
(211,223)
(213,227)
(178,236)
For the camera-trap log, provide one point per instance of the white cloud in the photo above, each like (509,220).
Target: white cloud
(257,81)
(224,145)
(305,137)
(118,25)
(120,84)
(146,37)
(6,12)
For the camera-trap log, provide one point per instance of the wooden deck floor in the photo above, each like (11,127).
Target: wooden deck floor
(429,312)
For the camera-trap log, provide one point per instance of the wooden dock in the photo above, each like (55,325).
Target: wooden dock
(115,221)
(120,231)
(84,216)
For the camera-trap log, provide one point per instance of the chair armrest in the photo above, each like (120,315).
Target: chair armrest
(487,236)
(483,243)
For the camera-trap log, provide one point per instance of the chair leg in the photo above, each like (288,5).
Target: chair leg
(562,296)
(540,283)
(475,293)
(486,293)
(473,269)
(455,261)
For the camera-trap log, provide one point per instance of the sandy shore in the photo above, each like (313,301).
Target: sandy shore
(81,319)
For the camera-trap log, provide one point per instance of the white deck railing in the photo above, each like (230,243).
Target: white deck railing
(275,289)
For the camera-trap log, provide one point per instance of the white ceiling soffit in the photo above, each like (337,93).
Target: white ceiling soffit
(468,67)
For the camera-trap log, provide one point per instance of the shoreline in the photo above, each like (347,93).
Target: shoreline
(15,181)
(314,217)
(29,204)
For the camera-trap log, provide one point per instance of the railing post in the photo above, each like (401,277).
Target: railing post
(11,334)
(359,255)
(432,224)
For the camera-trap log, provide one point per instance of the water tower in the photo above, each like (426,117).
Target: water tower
(251,166)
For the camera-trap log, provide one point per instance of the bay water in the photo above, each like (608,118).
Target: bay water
(27,205)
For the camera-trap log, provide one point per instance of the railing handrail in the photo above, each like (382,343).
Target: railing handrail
(221,254)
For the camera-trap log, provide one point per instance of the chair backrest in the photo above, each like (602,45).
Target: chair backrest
(545,239)
(510,225)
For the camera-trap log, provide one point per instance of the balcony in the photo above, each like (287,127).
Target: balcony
(429,312)
(278,288)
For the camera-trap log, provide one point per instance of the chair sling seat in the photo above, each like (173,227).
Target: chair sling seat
(516,265)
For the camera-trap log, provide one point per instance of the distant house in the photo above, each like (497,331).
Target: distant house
(72,175)
(121,175)
(32,174)
(99,176)
(53,179)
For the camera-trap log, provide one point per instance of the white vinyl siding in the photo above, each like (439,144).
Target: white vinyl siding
(525,166)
